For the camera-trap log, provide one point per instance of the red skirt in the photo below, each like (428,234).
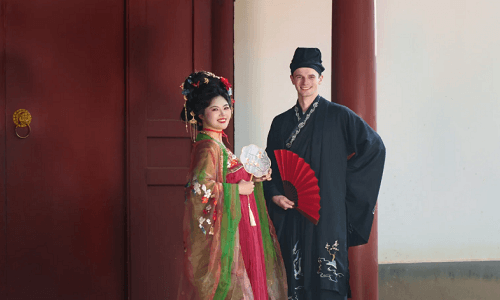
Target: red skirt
(251,240)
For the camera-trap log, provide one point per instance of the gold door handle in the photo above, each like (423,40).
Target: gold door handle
(22,118)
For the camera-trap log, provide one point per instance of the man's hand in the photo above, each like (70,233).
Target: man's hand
(266,177)
(283,202)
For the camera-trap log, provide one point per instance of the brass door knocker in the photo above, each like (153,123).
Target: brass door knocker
(22,118)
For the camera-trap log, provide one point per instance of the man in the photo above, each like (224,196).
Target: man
(324,134)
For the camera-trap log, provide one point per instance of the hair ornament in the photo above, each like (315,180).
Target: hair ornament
(196,84)
(226,83)
(212,75)
(193,120)
(185,114)
(193,123)
(206,80)
(184,92)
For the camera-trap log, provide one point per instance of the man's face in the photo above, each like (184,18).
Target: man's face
(306,81)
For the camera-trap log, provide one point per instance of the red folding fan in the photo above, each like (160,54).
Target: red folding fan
(300,184)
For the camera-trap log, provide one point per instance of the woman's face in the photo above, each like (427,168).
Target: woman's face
(217,114)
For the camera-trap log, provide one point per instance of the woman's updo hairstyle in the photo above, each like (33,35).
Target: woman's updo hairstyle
(199,89)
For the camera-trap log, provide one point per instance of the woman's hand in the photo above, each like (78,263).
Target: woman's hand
(266,177)
(283,202)
(245,187)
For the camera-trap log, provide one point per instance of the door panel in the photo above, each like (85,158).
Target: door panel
(65,182)
(165,239)
(170,57)
(162,150)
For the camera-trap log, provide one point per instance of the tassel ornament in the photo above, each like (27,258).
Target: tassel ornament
(252,218)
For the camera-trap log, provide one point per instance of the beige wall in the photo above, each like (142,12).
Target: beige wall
(266,36)
(438,91)
(438,95)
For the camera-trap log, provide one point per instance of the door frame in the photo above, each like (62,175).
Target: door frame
(220,60)
(3,174)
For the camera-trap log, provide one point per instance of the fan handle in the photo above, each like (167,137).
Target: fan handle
(290,191)
(291,194)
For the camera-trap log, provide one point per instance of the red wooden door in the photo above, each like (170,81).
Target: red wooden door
(62,206)
(167,41)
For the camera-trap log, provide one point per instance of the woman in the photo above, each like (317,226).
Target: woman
(231,250)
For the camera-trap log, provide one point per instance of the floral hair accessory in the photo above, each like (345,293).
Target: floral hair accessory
(196,84)
(184,92)
(226,83)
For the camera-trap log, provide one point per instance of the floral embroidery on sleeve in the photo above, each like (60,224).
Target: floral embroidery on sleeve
(205,194)
(196,187)
(232,159)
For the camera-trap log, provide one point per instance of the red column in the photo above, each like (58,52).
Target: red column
(353,85)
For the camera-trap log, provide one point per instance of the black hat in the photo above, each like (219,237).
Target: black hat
(307,58)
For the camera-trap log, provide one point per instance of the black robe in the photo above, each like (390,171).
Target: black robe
(316,256)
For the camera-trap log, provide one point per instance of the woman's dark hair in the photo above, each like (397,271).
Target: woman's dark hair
(199,89)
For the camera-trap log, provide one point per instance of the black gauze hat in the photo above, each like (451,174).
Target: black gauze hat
(307,58)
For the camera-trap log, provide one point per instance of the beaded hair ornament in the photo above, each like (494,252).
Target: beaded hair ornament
(193,128)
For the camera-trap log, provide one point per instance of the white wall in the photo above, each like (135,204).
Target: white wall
(266,36)
(438,91)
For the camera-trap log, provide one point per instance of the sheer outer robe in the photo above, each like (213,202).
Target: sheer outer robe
(348,189)
(213,263)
